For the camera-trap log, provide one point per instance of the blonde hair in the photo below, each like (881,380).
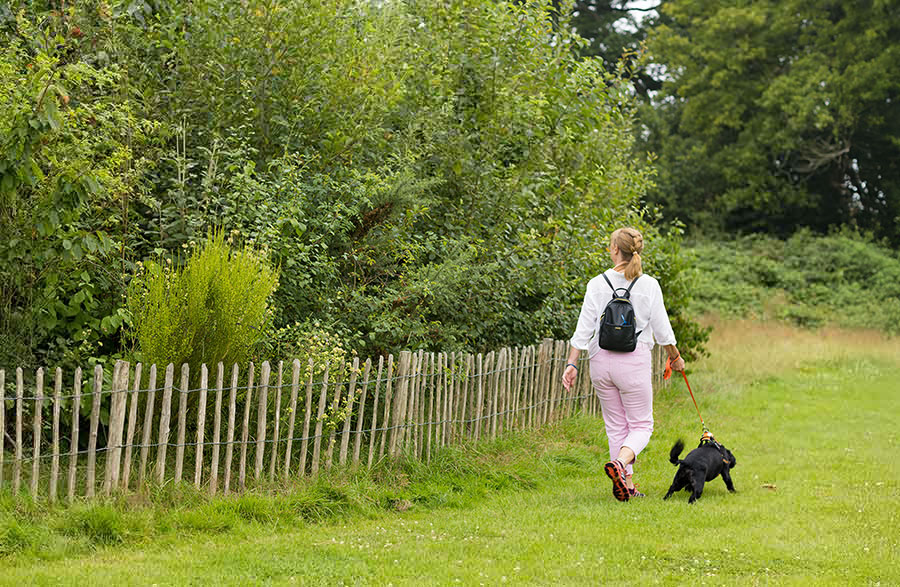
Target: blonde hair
(631,243)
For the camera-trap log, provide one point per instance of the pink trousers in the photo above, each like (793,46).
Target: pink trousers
(623,383)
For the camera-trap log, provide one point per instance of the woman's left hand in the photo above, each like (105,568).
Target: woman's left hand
(568,377)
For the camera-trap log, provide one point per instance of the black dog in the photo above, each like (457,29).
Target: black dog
(704,463)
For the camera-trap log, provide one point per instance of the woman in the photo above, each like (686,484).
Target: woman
(622,380)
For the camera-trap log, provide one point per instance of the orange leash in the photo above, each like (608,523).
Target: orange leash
(668,373)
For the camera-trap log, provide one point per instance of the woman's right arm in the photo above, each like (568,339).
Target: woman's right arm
(662,330)
(587,322)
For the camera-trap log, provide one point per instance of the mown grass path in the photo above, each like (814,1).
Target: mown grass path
(823,432)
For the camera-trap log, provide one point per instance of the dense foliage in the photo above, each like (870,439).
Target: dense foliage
(780,114)
(769,115)
(438,175)
(214,308)
(842,279)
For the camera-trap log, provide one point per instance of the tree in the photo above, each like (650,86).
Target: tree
(776,115)
(615,31)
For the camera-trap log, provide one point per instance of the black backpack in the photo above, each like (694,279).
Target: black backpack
(616,332)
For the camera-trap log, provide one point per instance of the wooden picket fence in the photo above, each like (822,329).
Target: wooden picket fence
(346,416)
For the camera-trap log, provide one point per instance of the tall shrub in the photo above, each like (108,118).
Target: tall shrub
(214,308)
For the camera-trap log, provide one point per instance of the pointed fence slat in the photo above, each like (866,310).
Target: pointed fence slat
(95,424)
(357,442)
(333,415)
(277,431)
(295,389)
(229,437)
(73,447)
(261,410)
(387,405)
(54,464)
(118,399)
(132,425)
(479,401)
(422,401)
(245,430)
(201,426)
(399,408)
(465,381)
(373,433)
(320,420)
(304,444)
(217,430)
(148,424)
(348,412)
(36,451)
(17,467)
(165,415)
(182,420)
(433,427)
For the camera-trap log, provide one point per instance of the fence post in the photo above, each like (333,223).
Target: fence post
(374,432)
(317,442)
(261,419)
(17,468)
(400,400)
(182,420)
(217,429)
(309,401)
(165,415)
(148,424)
(117,399)
(229,437)
(132,425)
(408,438)
(427,383)
(357,442)
(277,430)
(95,424)
(245,431)
(348,414)
(479,404)
(433,397)
(295,390)
(54,464)
(36,453)
(387,404)
(335,404)
(201,426)
(73,444)
(497,391)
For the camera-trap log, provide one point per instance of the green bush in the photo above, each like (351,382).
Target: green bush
(845,279)
(102,525)
(215,308)
(425,175)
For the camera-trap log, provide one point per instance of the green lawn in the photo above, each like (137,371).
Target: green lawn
(818,502)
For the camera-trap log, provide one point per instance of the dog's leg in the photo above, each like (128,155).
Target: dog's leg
(726,476)
(681,480)
(697,481)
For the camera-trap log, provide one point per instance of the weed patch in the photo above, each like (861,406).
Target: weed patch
(101,524)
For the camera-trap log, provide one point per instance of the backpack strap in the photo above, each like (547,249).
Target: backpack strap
(610,284)
(627,291)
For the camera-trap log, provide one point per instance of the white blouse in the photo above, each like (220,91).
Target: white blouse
(650,315)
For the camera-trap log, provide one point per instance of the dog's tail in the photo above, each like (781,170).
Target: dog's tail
(676,451)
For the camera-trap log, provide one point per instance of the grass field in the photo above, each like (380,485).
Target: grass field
(810,416)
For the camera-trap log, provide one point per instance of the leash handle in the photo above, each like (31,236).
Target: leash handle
(668,373)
